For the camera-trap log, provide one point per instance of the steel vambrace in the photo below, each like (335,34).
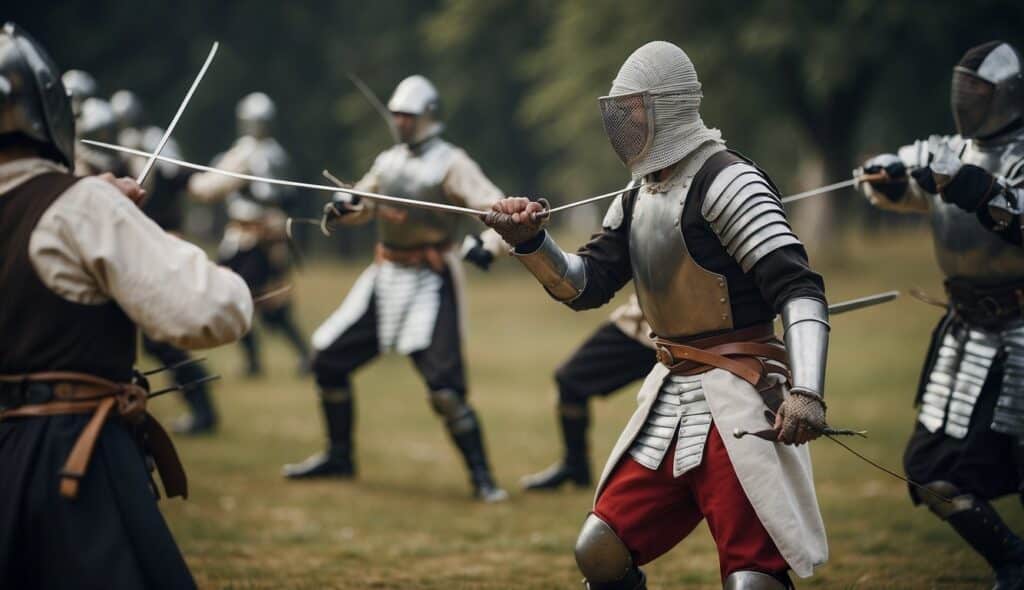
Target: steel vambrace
(805,326)
(563,275)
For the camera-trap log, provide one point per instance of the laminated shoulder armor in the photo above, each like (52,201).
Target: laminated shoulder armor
(744,210)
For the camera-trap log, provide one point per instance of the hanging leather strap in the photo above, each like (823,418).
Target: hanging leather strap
(81,393)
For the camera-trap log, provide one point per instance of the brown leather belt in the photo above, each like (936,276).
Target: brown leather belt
(741,352)
(81,393)
(431,256)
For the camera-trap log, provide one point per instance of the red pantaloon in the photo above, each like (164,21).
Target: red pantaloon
(652,511)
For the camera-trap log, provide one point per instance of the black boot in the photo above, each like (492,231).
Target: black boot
(984,530)
(575,467)
(202,418)
(471,444)
(251,347)
(634,580)
(338,409)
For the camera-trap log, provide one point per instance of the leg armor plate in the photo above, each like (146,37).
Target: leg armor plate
(604,560)
(747,580)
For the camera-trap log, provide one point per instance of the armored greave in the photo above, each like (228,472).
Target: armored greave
(339,411)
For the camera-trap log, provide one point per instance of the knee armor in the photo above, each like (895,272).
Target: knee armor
(604,560)
(453,408)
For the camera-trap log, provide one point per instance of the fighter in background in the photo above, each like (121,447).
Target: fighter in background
(618,353)
(81,267)
(967,441)
(408,301)
(166,188)
(255,244)
(713,260)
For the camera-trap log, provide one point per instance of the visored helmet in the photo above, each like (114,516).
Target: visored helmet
(988,90)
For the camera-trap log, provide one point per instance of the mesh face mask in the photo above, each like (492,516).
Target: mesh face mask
(972,99)
(652,113)
(629,123)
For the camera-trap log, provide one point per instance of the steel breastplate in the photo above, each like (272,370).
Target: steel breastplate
(416,175)
(679,297)
(963,246)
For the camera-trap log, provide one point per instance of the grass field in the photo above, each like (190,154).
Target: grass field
(409,522)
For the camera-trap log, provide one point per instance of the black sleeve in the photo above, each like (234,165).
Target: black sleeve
(606,257)
(786,274)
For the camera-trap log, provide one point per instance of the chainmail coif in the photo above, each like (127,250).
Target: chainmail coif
(661,67)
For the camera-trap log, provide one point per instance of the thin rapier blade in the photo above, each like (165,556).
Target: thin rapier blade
(292,183)
(820,191)
(591,199)
(862,302)
(342,187)
(174,122)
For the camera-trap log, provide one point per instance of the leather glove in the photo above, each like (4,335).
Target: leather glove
(800,418)
(513,219)
(889,176)
(473,251)
(339,207)
(971,188)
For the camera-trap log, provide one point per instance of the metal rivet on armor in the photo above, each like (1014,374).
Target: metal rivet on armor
(722,299)
(725,317)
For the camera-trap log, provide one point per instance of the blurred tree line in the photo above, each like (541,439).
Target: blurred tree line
(805,88)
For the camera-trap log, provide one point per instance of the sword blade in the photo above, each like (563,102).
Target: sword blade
(342,187)
(174,122)
(591,199)
(374,102)
(820,191)
(862,302)
(291,183)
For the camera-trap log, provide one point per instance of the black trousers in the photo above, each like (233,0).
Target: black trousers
(111,536)
(440,364)
(607,361)
(984,463)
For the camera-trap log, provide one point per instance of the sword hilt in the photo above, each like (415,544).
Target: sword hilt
(772,436)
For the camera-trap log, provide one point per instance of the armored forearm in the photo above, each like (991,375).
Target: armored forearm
(805,326)
(563,275)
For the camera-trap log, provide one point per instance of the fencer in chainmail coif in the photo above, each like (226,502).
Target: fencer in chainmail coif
(713,260)
(967,443)
(409,300)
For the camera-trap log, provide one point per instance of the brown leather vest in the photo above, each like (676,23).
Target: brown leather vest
(39,330)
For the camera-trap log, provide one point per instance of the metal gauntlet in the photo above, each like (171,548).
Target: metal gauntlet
(563,275)
(805,326)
